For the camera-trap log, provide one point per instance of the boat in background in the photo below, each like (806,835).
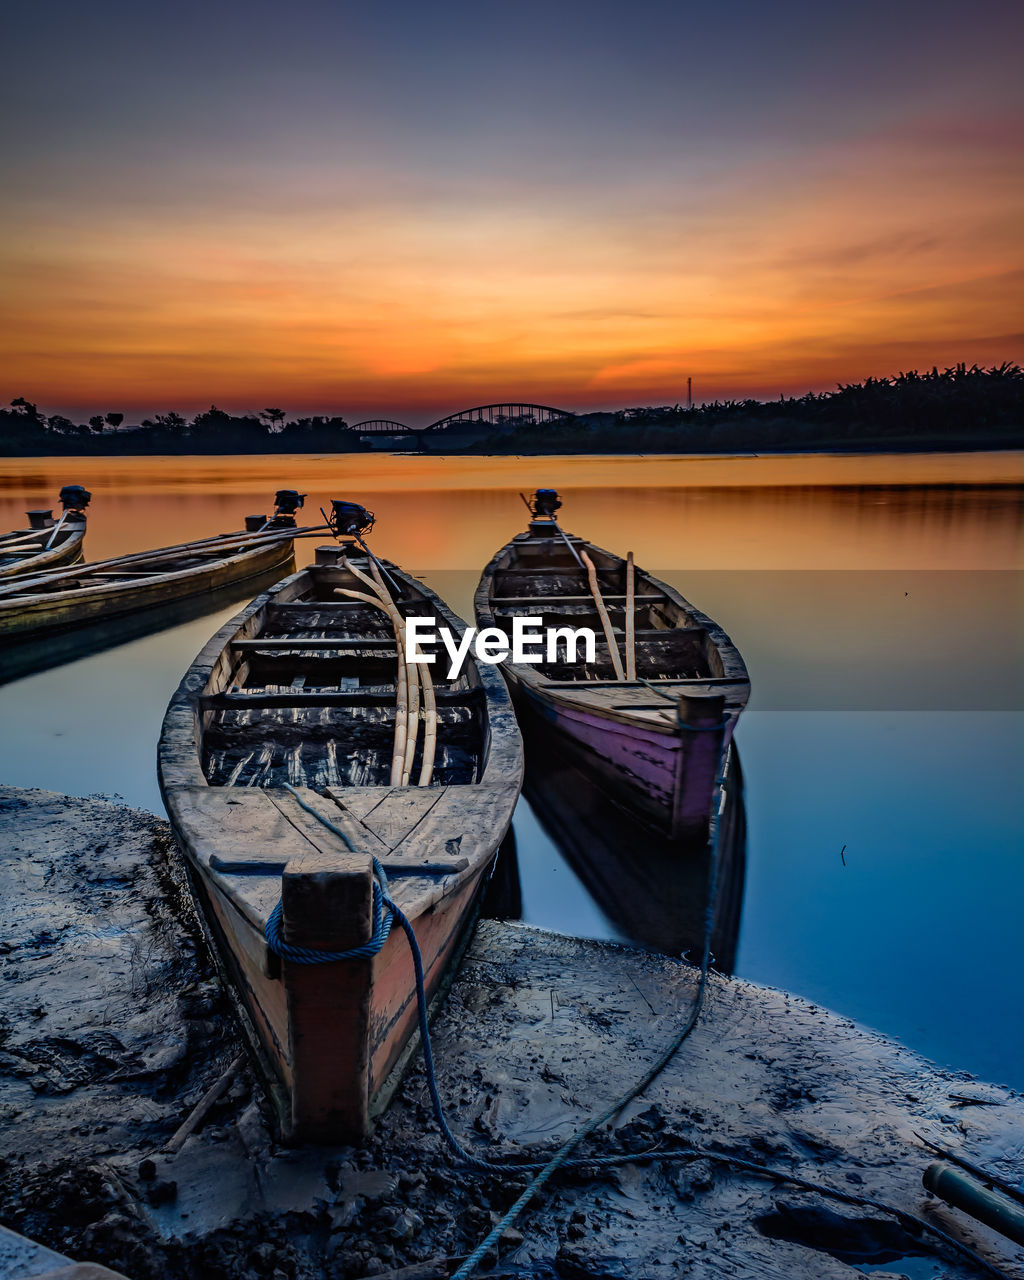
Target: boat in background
(39,606)
(290,758)
(47,543)
(651,716)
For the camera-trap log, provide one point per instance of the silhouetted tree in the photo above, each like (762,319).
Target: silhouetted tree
(114,420)
(62,426)
(273,416)
(27,408)
(96,422)
(171,422)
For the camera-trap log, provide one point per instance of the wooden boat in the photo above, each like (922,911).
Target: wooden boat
(300,688)
(41,605)
(47,543)
(651,716)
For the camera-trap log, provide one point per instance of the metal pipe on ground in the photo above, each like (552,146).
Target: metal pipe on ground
(963,1191)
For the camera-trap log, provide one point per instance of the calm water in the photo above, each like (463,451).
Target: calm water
(876,601)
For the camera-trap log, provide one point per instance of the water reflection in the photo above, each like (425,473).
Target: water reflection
(453,513)
(653,891)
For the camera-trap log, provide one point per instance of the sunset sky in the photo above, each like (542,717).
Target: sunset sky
(403,210)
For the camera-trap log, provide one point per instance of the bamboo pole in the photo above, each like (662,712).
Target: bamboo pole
(412,670)
(413,673)
(401,717)
(401,683)
(408,689)
(602,612)
(630,618)
(429,727)
(35,543)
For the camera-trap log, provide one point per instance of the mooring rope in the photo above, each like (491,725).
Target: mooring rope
(389,911)
(383,908)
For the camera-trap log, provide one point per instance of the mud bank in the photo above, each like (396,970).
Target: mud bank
(114,1027)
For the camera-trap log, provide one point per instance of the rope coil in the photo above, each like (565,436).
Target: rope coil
(382,918)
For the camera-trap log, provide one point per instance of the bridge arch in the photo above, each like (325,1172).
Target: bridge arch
(508,414)
(381,427)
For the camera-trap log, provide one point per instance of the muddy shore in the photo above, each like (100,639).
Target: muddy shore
(114,1026)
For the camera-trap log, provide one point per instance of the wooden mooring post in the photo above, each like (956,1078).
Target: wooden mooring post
(327,904)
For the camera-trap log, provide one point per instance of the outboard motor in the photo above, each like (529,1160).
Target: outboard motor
(74,498)
(348,519)
(545,502)
(286,503)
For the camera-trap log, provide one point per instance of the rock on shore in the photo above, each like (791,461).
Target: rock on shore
(114,1025)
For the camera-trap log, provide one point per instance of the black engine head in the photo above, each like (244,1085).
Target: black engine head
(545,502)
(349,519)
(74,497)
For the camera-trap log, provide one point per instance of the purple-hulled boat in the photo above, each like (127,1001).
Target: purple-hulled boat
(650,717)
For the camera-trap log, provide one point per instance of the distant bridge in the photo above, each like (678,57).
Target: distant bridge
(508,416)
(505,417)
(382,427)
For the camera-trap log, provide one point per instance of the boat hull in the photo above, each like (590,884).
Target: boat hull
(666,779)
(38,616)
(329,1084)
(652,896)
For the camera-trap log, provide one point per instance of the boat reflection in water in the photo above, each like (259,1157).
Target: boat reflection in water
(652,889)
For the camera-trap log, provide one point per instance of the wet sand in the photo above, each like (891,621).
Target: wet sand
(114,1026)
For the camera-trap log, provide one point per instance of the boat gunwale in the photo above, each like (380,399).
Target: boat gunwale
(14,602)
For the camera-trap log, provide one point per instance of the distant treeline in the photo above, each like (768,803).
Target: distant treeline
(25,431)
(963,407)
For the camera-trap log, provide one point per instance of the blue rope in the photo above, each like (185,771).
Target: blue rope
(308,955)
(382,912)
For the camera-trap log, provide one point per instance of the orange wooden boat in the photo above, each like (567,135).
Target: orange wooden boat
(290,713)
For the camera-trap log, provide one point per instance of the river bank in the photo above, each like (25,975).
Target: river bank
(115,1026)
